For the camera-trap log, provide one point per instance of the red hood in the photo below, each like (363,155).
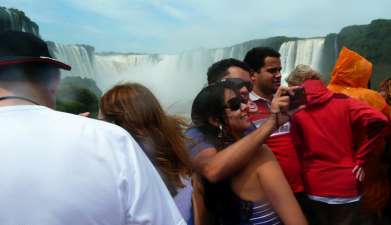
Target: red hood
(316,92)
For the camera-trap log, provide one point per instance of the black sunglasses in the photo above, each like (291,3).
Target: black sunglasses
(239,83)
(234,103)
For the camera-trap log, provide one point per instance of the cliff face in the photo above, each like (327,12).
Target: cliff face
(330,54)
(13,19)
(373,41)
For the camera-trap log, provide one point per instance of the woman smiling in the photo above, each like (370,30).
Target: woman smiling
(256,194)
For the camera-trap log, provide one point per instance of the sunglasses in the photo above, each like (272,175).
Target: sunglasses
(234,103)
(239,83)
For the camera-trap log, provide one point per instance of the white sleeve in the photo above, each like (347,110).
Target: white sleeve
(147,201)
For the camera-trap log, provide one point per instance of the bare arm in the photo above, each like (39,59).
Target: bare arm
(278,191)
(216,165)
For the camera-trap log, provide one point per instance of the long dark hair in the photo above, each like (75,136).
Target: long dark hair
(134,107)
(219,197)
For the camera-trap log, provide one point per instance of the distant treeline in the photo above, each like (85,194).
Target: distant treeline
(77,95)
(372,41)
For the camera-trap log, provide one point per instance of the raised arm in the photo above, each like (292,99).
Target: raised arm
(216,165)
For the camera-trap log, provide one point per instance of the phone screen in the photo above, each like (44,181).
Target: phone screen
(298,99)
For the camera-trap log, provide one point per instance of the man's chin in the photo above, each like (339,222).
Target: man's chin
(276,86)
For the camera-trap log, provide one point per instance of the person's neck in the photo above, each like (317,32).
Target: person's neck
(19,94)
(16,100)
(237,134)
(262,94)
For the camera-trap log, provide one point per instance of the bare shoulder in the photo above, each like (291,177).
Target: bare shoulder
(260,161)
(264,154)
(266,161)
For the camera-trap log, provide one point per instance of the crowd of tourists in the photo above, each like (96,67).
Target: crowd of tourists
(255,151)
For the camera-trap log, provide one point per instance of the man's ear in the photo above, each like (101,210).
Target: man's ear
(253,76)
(214,121)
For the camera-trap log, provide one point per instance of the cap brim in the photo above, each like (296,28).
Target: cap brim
(14,60)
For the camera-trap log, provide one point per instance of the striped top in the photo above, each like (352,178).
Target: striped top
(263,214)
(254,213)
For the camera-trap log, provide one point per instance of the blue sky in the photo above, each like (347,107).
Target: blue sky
(173,26)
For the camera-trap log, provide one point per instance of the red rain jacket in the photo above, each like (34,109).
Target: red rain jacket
(324,134)
(350,76)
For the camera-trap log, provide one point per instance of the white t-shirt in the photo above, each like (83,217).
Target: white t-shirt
(62,169)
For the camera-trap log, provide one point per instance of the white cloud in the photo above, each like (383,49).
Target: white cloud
(175,25)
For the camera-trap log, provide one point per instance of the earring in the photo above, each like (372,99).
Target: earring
(220,134)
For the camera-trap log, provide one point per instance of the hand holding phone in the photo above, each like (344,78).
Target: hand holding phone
(298,98)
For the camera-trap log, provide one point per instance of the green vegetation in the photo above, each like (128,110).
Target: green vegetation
(372,41)
(77,95)
(330,54)
(13,19)
(82,82)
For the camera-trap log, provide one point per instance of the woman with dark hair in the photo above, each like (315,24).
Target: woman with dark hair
(134,107)
(258,193)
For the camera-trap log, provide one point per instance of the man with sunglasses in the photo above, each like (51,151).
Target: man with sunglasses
(217,165)
(237,72)
(209,163)
(266,76)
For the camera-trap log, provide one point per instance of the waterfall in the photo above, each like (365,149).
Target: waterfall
(304,51)
(174,79)
(170,77)
(80,57)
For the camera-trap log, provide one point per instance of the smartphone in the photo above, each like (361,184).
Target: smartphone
(299,98)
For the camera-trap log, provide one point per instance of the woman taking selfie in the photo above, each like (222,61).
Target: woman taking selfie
(258,193)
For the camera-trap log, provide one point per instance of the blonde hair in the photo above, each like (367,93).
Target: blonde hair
(302,73)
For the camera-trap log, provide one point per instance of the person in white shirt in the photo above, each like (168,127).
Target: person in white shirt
(58,168)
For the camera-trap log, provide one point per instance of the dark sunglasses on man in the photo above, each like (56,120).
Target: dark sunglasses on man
(239,83)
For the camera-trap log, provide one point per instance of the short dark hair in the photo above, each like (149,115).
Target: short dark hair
(255,58)
(219,69)
(32,72)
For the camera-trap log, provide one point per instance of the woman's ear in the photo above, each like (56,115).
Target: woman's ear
(213,121)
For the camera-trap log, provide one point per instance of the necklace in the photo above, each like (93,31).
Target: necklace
(18,97)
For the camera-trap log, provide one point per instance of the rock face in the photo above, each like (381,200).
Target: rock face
(13,19)
(372,41)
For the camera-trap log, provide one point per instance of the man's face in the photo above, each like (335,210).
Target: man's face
(268,78)
(237,72)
